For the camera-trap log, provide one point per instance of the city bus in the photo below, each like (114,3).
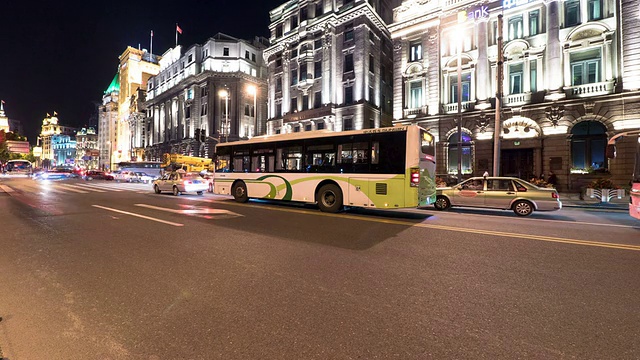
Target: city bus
(149,167)
(18,167)
(634,192)
(384,168)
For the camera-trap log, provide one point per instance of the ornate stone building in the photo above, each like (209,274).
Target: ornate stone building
(571,79)
(330,65)
(57,142)
(208,93)
(107,124)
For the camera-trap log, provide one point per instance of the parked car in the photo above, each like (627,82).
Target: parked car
(507,193)
(97,175)
(143,177)
(179,182)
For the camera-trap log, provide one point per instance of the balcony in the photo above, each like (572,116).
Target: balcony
(415,112)
(453,108)
(587,90)
(517,99)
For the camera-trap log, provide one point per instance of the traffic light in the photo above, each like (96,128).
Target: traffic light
(197,136)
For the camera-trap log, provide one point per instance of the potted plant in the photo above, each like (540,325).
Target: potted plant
(604,189)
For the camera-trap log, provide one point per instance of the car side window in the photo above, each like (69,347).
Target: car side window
(476,184)
(520,187)
(499,185)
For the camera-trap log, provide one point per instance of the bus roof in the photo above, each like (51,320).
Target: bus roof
(312,135)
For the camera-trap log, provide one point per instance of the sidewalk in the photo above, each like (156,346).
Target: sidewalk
(573,200)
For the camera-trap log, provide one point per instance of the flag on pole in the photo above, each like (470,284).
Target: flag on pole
(178,29)
(2,101)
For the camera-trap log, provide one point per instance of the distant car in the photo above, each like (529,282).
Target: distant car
(505,193)
(97,175)
(209,177)
(179,182)
(143,177)
(126,176)
(54,174)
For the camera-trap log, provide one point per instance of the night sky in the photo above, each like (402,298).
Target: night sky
(61,55)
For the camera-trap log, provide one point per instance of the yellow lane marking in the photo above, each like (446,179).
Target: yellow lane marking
(138,215)
(449,228)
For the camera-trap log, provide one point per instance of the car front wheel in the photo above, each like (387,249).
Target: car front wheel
(523,208)
(156,189)
(176,192)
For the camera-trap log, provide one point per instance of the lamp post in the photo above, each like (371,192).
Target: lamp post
(253,90)
(226,128)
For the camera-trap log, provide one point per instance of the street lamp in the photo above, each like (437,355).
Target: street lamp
(253,90)
(226,129)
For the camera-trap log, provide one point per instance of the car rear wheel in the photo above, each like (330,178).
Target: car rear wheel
(442,203)
(330,198)
(523,208)
(239,192)
(176,192)
(156,189)
(199,192)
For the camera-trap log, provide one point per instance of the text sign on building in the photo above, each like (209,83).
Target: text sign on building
(506,4)
(478,13)
(18,147)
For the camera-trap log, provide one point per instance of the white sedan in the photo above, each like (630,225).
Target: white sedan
(179,182)
(144,177)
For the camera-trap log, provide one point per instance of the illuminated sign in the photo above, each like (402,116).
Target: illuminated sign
(506,4)
(481,12)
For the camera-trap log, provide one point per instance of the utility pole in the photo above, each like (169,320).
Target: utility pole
(500,79)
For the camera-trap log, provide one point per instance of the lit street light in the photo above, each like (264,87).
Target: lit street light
(226,128)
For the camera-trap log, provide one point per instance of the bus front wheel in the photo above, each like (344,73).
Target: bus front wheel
(239,192)
(330,198)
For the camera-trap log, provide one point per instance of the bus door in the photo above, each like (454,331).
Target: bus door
(427,184)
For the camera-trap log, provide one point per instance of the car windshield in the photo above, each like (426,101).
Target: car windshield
(191,176)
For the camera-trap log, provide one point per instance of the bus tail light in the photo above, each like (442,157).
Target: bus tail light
(415,177)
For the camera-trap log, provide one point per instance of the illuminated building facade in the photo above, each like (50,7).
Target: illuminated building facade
(107,124)
(136,68)
(64,150)
(87,153)
(330,65)
(571,79)
(207,93)
(4,119)
(53,138)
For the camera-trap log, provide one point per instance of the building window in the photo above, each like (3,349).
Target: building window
(294,21)
(585,67)
(348,63)
(317,44)
(247,110)
(296,128)
(534,22)
(253,57)
(533,75)
(305,102)
(452,154)
(571,13)
(278,62)
(372,95)
(348,95)
(294,53)
(225,51)
(466,86)
(319,8)
(294,105)
(307,127)
(348,32)
(278,110)
(494,32)
(303,71)
(294,77)
(317,69)
(372,37)
(203,109)
(303,13)
(278,31)
(278,84)
(588,144)
(347,124)
(371,64)
(317,99)
(595,9)
(320,126)
(515,27)
(246,54)
(190,58)
(515,79)
(415,51)
(415,94)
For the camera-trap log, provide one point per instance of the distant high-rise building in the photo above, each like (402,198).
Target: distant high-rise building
(330,65)
(107,123)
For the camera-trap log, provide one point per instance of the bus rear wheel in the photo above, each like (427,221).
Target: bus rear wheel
(239,192)
(330,198)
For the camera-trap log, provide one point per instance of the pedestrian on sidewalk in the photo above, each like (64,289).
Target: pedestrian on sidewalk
(552,179)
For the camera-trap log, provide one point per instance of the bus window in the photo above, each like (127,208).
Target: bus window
(289,158)
(375,152)
(427,143)
(319,158)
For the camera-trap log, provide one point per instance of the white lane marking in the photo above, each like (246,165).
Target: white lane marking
(196,210)
(138,215)
(86,188)
(71,188)
(6,189)
(99,187)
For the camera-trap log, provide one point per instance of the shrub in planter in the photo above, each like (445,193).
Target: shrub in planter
(602,183)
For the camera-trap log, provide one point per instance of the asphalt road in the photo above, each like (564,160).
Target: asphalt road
(101,270)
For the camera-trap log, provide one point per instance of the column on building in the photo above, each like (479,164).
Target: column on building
(553,47)
(482,66)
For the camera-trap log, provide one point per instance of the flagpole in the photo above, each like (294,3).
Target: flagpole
(176,34)
(151,46)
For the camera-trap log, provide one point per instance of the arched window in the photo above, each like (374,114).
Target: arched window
(467,159)
(588,143)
